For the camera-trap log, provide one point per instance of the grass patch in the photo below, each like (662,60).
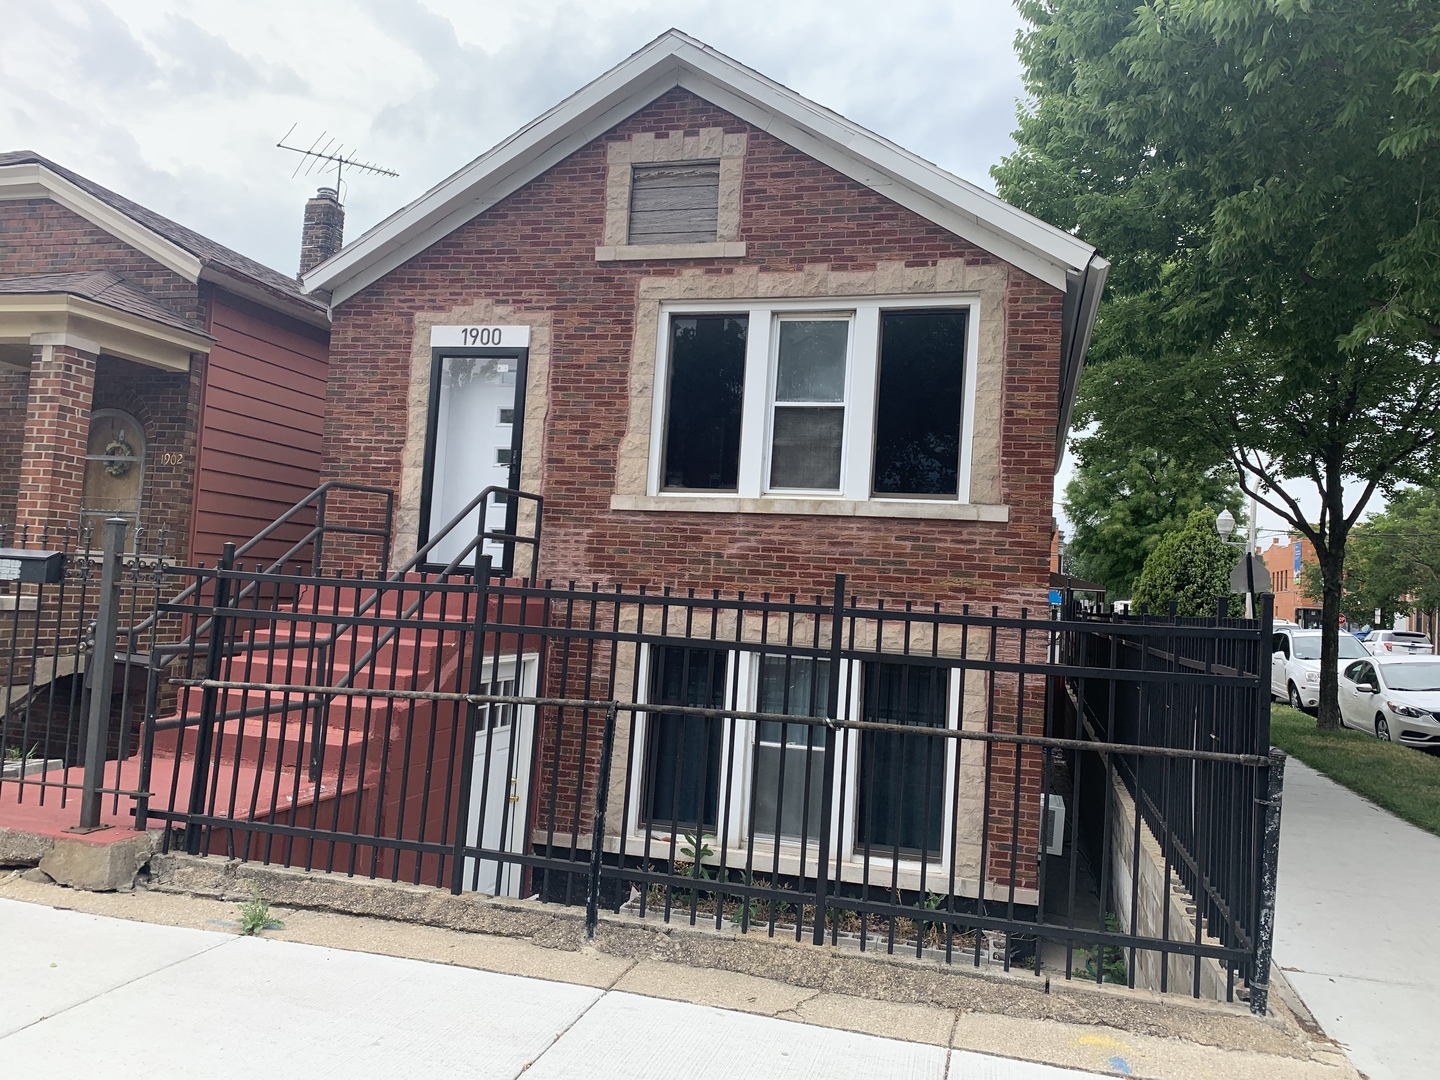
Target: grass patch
(1401,779)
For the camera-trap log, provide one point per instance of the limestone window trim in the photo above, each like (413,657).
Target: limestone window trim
(646,148)
(948,283)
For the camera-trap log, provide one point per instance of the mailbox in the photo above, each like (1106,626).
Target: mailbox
(31,567)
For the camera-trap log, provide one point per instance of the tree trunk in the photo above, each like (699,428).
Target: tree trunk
(1332,567)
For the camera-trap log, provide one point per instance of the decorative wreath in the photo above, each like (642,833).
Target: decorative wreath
(119,449)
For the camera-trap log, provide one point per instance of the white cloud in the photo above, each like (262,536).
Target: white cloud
(178,103)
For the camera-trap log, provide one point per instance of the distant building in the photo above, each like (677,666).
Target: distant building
(1285,559)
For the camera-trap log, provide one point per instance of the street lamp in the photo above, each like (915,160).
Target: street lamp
(1225,524)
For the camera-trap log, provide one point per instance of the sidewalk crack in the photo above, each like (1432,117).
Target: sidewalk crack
(562,1033)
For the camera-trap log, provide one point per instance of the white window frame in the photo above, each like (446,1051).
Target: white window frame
(862,387)
(772,402)
(737,774)
(853,851)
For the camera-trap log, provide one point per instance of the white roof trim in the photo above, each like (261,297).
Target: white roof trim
(675,59)
(33,181)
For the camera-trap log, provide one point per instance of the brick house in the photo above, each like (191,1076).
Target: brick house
(735,341)
(147,371)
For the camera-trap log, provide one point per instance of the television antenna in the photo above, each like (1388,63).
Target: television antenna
(327,156)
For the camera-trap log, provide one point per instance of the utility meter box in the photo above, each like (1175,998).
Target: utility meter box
(31,567)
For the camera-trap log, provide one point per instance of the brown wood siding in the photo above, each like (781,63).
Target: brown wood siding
(261,426)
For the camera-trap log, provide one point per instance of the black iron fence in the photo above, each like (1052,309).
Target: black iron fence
(73,644)
(1078,796)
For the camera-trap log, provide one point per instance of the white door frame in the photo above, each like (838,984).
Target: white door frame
(514,801)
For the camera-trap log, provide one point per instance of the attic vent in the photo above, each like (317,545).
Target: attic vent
(674,203)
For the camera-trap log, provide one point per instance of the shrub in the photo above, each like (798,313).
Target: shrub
(1190,568)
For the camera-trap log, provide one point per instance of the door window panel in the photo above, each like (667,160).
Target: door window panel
(472,449)
(682,752)
(114,472)
(919,402)
(790,758)
(706,387)
(902,777)
(808,426)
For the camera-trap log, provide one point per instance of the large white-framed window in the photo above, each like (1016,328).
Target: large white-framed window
(891,794)
(868,399)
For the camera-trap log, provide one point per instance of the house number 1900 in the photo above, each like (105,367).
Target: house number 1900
(484,337)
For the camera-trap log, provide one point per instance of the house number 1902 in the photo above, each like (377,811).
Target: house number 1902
(172,459)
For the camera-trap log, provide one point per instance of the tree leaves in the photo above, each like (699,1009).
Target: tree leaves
(1122,502)
(1259,173)
(1189,568)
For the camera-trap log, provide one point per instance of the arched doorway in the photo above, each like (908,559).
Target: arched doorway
(114,472)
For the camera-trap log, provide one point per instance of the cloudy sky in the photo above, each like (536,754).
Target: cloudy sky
(178,104)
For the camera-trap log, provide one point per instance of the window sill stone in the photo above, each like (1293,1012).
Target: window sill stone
(934,510)
(729,249)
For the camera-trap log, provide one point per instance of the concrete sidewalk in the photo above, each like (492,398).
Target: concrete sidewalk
(1357,925)
(332,992)
(79,993)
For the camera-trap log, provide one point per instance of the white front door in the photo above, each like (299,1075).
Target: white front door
(500,783)
(474,427)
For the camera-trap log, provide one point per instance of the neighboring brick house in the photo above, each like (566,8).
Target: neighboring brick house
(736,342)
(147,371)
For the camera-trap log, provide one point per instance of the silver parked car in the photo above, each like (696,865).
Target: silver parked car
(1398,642)
(1395,698)
(1295,666)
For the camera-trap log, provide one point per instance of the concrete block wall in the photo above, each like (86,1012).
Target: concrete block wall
(1154,893)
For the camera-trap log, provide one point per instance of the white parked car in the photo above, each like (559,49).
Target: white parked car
(1398,642)
(1395,698)
(1295,666)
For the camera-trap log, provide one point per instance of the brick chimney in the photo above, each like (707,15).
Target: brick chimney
(324,231)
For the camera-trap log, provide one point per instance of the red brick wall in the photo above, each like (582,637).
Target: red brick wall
(57,425)
(535,250)
(38,236)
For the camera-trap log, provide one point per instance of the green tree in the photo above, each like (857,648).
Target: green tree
(1191,569)
(1392,562)
(1123,499)
(1263,176)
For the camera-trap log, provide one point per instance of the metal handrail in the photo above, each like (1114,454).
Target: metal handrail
(344,623)
(317,531)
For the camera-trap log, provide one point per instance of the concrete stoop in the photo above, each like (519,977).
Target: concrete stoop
(1106,1029)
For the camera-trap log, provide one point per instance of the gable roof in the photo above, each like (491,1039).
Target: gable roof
(677,60)
(26,174)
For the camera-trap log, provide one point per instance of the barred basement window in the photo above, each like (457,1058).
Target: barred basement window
(674,203)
